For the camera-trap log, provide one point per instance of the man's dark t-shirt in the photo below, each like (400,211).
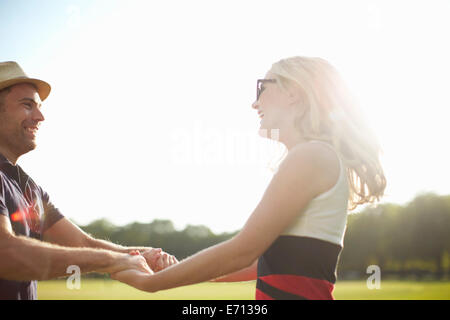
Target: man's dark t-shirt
(30,212)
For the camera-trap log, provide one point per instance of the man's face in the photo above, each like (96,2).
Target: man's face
(20,117)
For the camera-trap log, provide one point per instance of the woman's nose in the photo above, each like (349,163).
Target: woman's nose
(255,104)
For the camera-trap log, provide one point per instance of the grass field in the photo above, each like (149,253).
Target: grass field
(345,290)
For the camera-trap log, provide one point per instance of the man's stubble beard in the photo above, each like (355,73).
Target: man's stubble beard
(18,144)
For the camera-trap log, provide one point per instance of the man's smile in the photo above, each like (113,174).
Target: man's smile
(31,130)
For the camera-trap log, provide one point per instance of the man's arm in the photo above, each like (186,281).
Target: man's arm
(66,233)
(24,258)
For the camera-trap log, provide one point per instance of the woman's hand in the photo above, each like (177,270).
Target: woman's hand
(135,277)
(132,277)
(158,259)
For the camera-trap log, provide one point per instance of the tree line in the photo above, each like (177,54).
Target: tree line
(410,240)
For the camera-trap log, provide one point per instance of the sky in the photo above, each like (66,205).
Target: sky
(150,111)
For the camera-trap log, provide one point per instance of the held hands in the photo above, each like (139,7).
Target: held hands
(155,259)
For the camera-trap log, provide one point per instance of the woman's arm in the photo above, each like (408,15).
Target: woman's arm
(299,179)
(207,264)
(246,274)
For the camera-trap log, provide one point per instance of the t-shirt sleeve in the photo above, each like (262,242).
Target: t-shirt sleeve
(3,208)
(51,213)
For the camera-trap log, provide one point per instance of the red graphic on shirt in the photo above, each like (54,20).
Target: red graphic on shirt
(29,217)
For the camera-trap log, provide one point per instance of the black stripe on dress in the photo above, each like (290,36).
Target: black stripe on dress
(301,256)
(275,293)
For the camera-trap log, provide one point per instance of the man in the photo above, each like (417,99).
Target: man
(36,241)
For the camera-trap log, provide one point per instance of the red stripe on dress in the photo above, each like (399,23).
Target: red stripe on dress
(259,295)
(310,288)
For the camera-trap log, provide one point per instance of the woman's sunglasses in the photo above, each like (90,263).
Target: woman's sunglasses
(260,88)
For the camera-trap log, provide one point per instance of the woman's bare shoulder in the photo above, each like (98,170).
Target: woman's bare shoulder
(317,157)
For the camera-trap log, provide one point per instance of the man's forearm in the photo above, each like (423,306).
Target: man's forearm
(106,245)
(30,259)
(66,233)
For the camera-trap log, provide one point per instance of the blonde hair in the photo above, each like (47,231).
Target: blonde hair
(332,115)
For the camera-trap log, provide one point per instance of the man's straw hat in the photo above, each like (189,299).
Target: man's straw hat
(11,73)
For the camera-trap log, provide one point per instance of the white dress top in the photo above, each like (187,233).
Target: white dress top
(325,217)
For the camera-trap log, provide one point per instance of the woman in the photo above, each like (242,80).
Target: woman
(293,238)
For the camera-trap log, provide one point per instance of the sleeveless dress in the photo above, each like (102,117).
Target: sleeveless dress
(301,263)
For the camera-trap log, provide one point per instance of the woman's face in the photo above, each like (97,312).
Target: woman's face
(274,106)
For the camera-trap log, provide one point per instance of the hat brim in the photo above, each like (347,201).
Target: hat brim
(43,87)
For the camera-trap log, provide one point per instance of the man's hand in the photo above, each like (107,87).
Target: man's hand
(130,262)
(158,259)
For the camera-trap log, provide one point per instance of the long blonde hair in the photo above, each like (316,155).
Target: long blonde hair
(332,115)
